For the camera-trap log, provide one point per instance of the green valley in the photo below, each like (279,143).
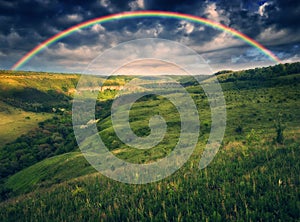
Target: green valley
(253,177)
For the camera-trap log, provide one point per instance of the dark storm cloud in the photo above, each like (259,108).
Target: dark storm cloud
(24,24)
(284,14)
(273,23)
(244,15)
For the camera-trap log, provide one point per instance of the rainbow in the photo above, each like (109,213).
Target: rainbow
(140,14)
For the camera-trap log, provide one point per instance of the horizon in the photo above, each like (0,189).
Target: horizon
(122,74)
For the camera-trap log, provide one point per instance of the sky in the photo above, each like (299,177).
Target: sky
(25,24)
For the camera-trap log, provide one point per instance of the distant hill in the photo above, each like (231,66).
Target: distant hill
(265,73)
(38,92)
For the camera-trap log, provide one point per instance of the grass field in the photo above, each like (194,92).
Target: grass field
(50,171)
(15,122)
(253,177)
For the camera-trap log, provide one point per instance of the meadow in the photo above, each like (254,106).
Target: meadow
(16,122)
(254,176)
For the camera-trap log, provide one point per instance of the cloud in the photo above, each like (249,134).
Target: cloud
(143,55)
(295,58)
(261,9)
(221,41)
(216,15)
(79,53)
(137,5)
(97,28)
(186,26)
(149,67)
(272,36)
(74,18)
(25,24)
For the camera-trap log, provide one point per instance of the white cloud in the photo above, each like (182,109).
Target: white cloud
(127,54)
(98,28)
(144,32)
(272,36)
(137,4)
(74,17)
(107,4)
(261,9)
(70,18)
(141,3)
(221,41)
(211,10)
(201,28)
(186,26)
(295,58)
(104,3)
(82,53)
(216,15)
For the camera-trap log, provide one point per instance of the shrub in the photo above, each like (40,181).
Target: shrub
(279,130)
(239,129)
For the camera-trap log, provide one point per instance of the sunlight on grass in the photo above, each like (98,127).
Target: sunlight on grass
(15,122)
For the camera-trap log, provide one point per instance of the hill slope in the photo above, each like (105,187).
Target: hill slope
(255,175)
(15,122)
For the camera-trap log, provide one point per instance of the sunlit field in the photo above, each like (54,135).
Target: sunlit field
(253,177)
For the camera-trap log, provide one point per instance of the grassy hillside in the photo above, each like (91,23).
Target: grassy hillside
(37,92)
(42,81)
(244,182)
(254,176)
(28,98)
(15,122)
(49,171)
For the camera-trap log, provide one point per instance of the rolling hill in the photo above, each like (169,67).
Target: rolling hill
(254,176)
